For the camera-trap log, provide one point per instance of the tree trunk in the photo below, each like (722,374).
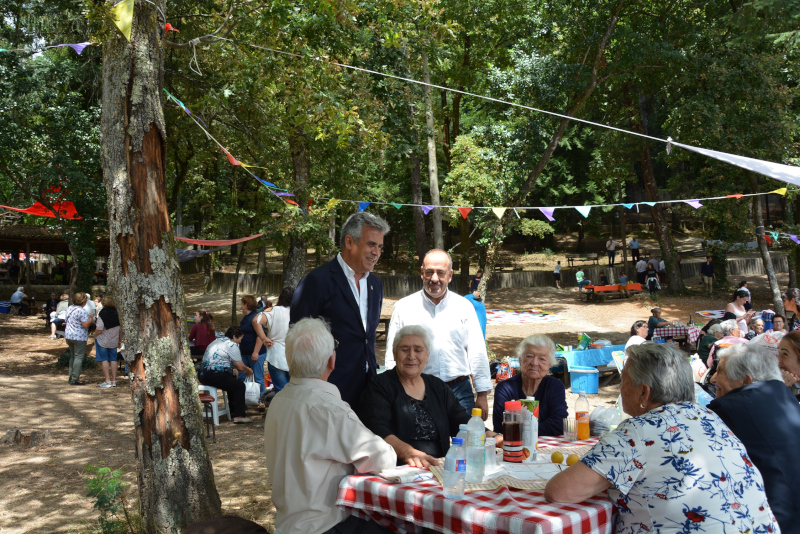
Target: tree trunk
(791,260)
(295,267)
(433,171)
(234,307)
(623,230)
(777,301)
(175,477)
(659,220)
(207,273)
(420,234)
(262,259)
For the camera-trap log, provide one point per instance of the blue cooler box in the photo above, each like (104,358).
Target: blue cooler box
(585,379)
(5,307)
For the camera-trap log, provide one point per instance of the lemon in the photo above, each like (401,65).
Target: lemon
(572,458)
(557,458)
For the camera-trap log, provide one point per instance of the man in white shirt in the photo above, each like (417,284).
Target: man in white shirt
(611,249)
(313,440)
(641,268)
(90,307)
(459,350)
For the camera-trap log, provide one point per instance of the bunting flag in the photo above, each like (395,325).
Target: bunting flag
(123,17)
(629,206)
(548,212)
(169,28)
(793,237)
(65,209)
(737,196)
(363,205)
(651,204)
(268,184)
(781,191)
(693,203)
(217,242)
(427,209)
(464,212)
(499,212)
(78,47)
(231,159)
(283,194)
(774,236)
(290,201)
(396,205)
(767,239)
(517,213)
(331,203)
(584,210)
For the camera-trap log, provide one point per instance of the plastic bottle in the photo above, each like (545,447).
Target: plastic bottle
(462,433)
(530,429)
(476,447)
(455,470)
(491,454)
(512,432)
(582,416)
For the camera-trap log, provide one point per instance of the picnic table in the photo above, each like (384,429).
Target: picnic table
(572,258)
(690,333)
(601,293)
(410,507)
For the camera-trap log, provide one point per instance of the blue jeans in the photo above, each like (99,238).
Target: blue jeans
(611,255)
(279,377)
(257,367)
(583,283)
(463,392)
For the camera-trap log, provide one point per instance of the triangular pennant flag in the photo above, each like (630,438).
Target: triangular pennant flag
(396,205)
(793,237)
(499,212)
(78,47)
(548,212)
(282,194)
(629,206)
(363,205)
(769,241)
(309,204)
(123,17)
(693,203)
(290,201)
(584,210)
(464,211)
(649,203)
(427,209)
(331,203)
(774,236)
(737,196)
(781,191)
(170,28)
(268,184)
(231,159)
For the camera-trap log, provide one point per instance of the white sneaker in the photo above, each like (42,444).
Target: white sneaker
(105,385)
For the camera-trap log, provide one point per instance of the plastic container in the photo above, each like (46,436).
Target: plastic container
(530,428)
(491,454)
(512,432)
(455,470)
(476,447)
(582,416)
(5,307)
(462,433)
(586,379)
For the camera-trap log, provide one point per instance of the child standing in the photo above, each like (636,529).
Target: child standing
(557,274)
(623,284)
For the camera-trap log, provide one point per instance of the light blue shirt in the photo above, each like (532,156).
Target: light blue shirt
(633,244)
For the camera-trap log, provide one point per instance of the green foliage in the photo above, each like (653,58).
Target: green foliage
(107,489)
(719,257)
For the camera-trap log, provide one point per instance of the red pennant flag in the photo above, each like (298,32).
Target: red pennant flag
(737,196)
(309,204)
(170,28)
(66,209)
(464,211)
(231,159)
(291,202)
(769,241)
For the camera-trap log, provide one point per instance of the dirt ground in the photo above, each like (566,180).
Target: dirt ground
(43,488)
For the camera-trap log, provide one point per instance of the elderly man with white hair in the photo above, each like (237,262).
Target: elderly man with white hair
(313,440)
(760,410)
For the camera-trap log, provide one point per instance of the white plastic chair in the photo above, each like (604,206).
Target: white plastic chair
(216,411)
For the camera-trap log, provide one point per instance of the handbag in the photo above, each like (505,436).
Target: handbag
(252,391)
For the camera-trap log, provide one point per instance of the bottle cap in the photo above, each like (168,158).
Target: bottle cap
(476,412)
(462,427)
(458,441)
(581,393)
(513,406)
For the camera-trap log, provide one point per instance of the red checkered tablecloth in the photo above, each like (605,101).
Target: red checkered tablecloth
(407,508)
(691,332)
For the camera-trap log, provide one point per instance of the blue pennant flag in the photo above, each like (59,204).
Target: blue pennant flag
(363,205)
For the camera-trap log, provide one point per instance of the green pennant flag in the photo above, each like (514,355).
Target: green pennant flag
(396,205)
(649,203)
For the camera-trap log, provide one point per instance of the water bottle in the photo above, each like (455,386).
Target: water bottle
(462,433)
(455,470)
(491,455)
(476,447)
(582,416)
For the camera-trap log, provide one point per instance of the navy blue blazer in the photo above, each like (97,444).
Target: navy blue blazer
(325,293)
(765,416)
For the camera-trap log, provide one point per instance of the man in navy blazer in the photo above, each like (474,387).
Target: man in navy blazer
(349,297)
(761,411)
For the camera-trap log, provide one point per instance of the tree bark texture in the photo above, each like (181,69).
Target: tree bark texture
(175,477)
(262,259)
(433,169)
(239,260)
(421,236)
(758,217)
(295,267)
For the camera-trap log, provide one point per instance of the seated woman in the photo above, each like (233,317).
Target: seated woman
(673,462)
(737,308)
(415,413)
(655,322)
(789,361)
(216,370)
(756,328)
(779,324)
(706,343)
(202,333)
(59,317)
(537,354)
(638,334)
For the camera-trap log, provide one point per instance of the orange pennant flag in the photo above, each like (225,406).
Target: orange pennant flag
(291,202)
(737,196)
(464,211)
(231,159)
(170,28)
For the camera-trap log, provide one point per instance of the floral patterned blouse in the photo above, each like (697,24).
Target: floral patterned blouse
(679,469)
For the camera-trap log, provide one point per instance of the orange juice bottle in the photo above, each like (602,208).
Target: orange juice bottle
(582,416)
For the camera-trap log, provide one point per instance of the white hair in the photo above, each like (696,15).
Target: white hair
(21,288)
(728,325)
(744,359)
(664,368)
(412,330)
(537,341)
(714,328)
(354,226)
(309,345)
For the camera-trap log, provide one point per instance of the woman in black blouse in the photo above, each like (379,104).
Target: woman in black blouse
(413,412)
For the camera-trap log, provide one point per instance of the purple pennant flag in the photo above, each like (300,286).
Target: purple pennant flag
(363,205)
(427,209)
(548,212)
(794,238)
(283,194)
(693,203)
(78,47)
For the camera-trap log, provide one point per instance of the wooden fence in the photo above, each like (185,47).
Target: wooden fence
(396,286)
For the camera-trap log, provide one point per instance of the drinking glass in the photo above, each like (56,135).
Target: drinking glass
(570,429)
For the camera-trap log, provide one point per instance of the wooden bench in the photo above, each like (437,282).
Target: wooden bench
(507,266)
(601,293)
(385,332)
(572,258)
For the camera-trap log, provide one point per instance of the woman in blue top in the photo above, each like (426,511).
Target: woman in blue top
(536,353)
(251,358)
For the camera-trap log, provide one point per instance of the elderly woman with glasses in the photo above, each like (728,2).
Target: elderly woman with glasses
(415,413)
(537,354)
(673,464)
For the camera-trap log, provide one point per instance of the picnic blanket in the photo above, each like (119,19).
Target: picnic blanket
(495,317)
(711,314)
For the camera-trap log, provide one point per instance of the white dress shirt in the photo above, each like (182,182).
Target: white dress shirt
(313,440)
(360,296)
(458,345)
